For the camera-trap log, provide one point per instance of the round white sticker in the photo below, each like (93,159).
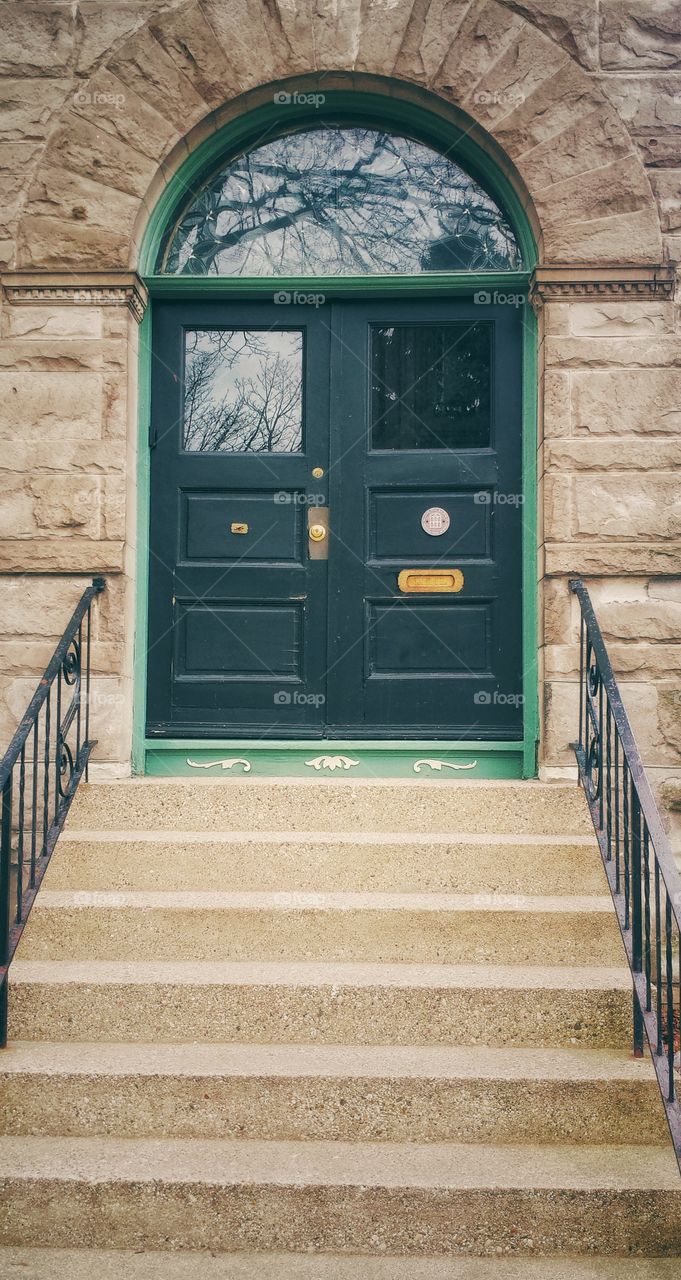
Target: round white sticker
(435,521)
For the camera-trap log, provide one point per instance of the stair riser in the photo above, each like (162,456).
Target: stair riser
(229,805)
(411,1221)
(345,1109)
(274,866)
(321,1015)
(371,936)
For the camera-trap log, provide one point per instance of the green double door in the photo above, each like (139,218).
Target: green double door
(336,520)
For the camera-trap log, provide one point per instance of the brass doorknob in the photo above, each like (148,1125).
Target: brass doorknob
(317,532)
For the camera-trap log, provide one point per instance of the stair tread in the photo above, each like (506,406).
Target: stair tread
(452,1166)
(301,900)
(144,836)
(321,974)
(281,1060)
(124,1264)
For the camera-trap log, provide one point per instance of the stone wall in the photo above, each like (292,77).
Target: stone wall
(578,100)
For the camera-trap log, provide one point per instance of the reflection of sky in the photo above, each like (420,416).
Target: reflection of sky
(433,195)
(243,361)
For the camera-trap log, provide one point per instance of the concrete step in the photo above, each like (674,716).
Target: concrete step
(362,1197)
(331,804)
(293,1092)
(321,1002)
(371,928)
(110,1264)
(328,862)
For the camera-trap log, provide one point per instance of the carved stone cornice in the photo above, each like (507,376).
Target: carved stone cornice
(618,284)
(88,288)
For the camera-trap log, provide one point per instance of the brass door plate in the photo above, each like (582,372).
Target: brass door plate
(412,580)
(318,533)
(238,527)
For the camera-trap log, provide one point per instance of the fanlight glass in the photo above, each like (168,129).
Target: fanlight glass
(340,201)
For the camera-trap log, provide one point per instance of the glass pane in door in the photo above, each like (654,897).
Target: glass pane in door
(430,386)
(243,391)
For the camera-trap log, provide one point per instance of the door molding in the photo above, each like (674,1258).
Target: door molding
(385,758)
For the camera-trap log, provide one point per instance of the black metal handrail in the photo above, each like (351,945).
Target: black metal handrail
(642,874)
(49,768)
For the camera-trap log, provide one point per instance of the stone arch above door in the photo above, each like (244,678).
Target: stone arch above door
(180,76)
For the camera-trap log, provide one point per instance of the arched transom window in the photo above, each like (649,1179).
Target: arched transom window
(340,201)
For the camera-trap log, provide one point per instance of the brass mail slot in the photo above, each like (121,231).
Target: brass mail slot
(430,580)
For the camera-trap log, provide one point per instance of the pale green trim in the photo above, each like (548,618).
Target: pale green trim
(424,761)
(471,747)
(427,285)
(529,549)
(142,546)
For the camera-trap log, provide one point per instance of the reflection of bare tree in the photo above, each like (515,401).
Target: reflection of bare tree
(243,392)
(341,201)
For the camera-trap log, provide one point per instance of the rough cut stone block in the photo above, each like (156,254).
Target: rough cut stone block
(81,146)
(640,33)
(297,26)
(515,76)
(38,606)
(485,34)
(37,39)
(573,352)
(56,244)
(58,505)
(103,25)
(50,406)
(46,321)
(666,184)
(558,104)
(254,43)
(557,508)
(596,454)
(61,555)
(383,26)
(190,42)
(573,24)
(27,107)
(634,237)
(556,408)
(617,559)
(430,33)
(617,188)
(595,140)
(659,150)
(646,101)
(620,319)
(142,64)
(626,401)
(71,197)
(627,506)
(119,111)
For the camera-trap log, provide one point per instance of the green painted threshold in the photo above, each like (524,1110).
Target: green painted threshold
(324,758)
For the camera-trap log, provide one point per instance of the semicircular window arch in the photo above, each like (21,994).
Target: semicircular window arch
(335,200)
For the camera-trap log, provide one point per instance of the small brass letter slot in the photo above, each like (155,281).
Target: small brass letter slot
(410,580)
(238,527)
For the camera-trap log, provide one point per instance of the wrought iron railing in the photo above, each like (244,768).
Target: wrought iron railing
(642,874)
(39,773)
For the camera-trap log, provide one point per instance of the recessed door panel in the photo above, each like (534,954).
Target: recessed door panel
(400,525)
(236,526)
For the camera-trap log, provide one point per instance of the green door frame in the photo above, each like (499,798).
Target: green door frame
(374,759)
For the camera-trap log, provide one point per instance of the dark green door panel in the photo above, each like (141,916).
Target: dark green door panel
(432,664)
(237,620)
